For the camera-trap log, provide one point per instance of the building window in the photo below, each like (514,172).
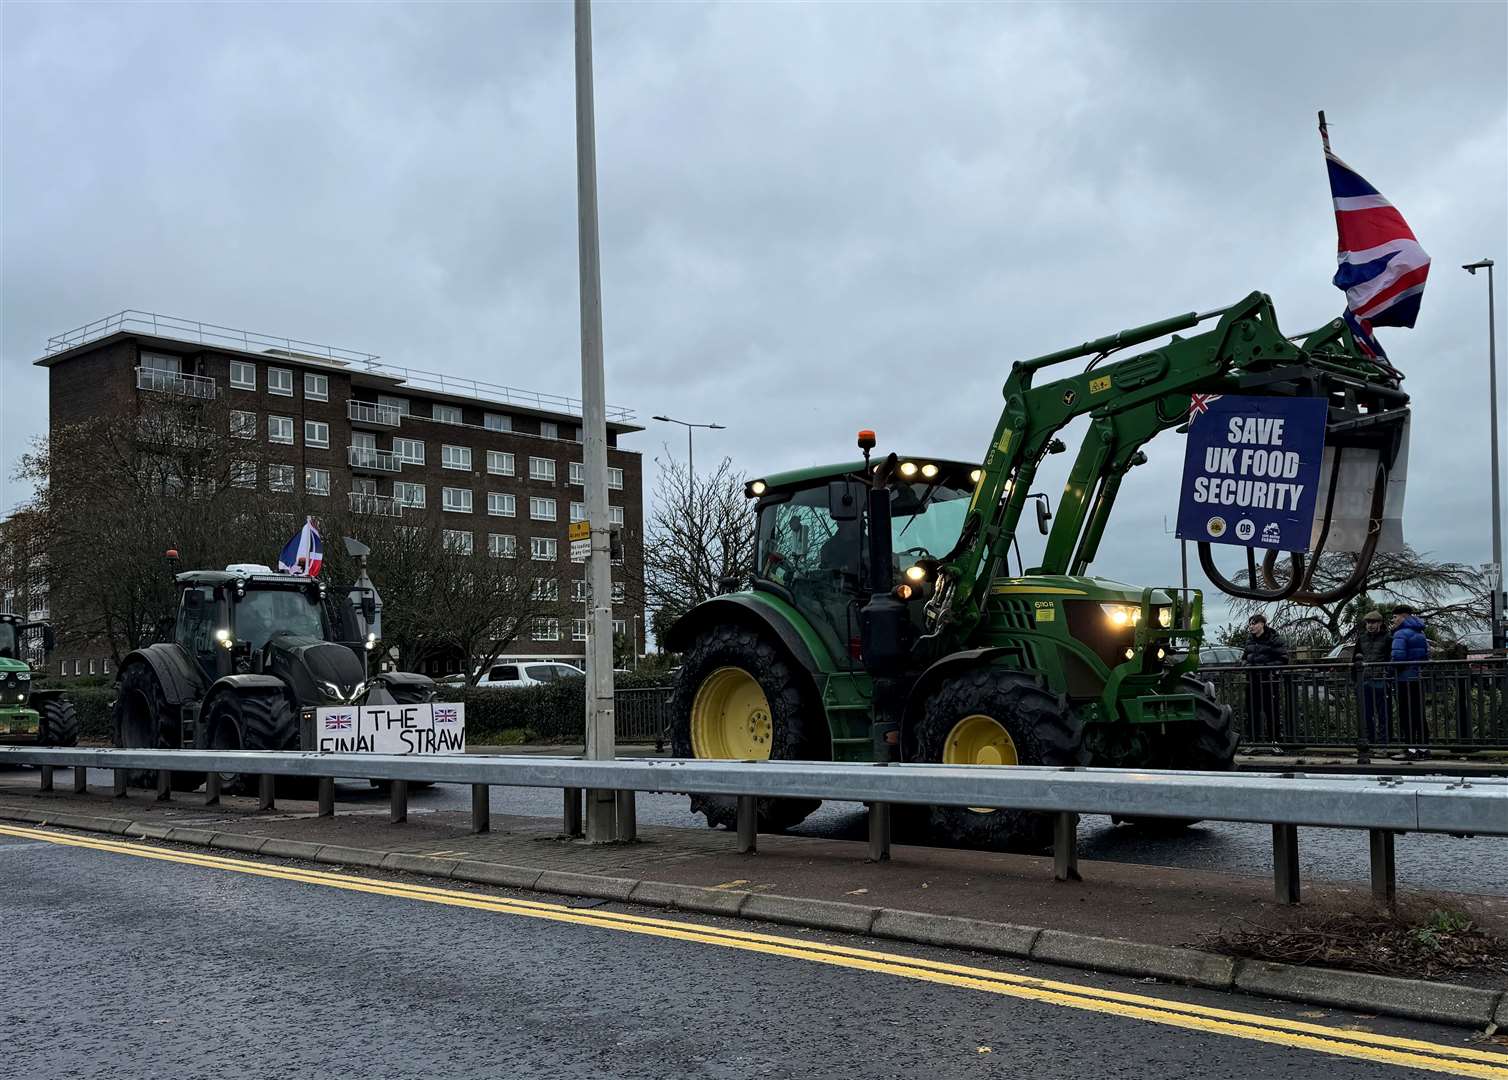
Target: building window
(541,468)
(280,381)
(92,666)
(546,630)
(243,425)
(617,592)
(457,542)
(578,629)
(497,422)
(615,515)
(78,667)
(456,500)
(548,429)
(620,627)
(615,479)
(243,474)
(581,590)
(243,376)
(502,546)
(280,429)
(578,511)
(399,403)
(408,494)
(280,477)
(316,433)
(500,505)
(409,451)
(316,387)
(499,463)
(446,414)
(545,589)
(542,548)
(455,457)
(104,666)
(578,474)
(541,508)
(317,481)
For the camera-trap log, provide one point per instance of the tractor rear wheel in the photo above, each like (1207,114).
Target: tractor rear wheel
(261,720)
(995,716)
(1207,745)
(60,722)
(738,697)
(143,720)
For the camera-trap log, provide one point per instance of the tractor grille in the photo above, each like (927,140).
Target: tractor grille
(14,690)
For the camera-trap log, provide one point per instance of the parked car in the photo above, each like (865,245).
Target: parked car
(528,674)
(1218,656)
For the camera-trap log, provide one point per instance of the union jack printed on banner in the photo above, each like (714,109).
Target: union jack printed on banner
(445,716)
(1382,267)
(1199,404)
(339,722)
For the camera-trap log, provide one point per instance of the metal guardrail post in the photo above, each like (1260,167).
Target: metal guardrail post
(628,821)
(1384,868)
(46,784)
(572,811)
(879,832)
(212,789)
(266,792)
(1065,847)
(748,825)
(164,785)
(481,817)
(327,796)
(119,786)
(1285,863)
(397,812)
(80,779)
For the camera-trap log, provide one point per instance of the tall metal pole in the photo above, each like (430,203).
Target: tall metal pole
(1498,615)
(601,806)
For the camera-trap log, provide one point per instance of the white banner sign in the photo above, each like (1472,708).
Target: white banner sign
(438,728)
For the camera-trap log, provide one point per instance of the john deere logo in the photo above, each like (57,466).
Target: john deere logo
(1070,396)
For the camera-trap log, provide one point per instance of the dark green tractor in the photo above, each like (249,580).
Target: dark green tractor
(889,616)
(29,715)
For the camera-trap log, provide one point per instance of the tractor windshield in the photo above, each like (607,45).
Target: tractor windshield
(264,613)
(9,645)
(925,520)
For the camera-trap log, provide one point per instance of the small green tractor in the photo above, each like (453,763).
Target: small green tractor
(887,622)
(43,717)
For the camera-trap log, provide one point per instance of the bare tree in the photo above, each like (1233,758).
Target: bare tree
(700,533)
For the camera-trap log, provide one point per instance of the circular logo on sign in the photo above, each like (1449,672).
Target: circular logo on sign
(1246,528)
(1215,526)
(1070,396)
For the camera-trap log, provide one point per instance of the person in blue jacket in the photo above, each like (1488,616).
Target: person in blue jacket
(1410,648)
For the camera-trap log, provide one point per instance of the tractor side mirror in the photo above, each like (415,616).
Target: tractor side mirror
(842,501)
(1044,515)
(368,607)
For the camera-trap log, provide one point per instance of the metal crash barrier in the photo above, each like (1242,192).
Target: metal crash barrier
(1383,806)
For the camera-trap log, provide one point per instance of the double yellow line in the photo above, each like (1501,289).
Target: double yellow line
(1363,1045)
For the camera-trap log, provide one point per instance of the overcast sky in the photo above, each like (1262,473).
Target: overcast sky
(814,217)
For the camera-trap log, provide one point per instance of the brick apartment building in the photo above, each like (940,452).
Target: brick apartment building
(499,467)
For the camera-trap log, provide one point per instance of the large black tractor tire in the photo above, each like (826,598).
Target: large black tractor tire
(142,719)
(1209,745)
(260,720)
(60,722)
(1042,730)
(793,729)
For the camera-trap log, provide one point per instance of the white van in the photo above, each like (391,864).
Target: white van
(528,673)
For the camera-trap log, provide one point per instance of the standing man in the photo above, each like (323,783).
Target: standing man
(1410,648)
(1374,652)
(1264,648)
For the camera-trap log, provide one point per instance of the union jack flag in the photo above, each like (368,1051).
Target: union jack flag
(1200,403)
(338,722)
(1382,267)
(445,716)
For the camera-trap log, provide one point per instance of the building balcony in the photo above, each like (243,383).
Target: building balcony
(379,505)
(366,414)
(365,459)
(173,382)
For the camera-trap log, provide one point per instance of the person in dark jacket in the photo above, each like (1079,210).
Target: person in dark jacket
(1410,648)
(1264,648)
(1374,653)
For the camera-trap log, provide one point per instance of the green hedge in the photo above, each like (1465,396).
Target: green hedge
(93,705)
(553,713)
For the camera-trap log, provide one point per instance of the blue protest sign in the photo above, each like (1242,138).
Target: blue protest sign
(1251,470)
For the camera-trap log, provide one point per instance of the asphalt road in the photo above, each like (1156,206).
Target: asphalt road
(121,966)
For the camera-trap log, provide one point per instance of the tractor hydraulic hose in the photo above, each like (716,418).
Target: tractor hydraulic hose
(1230,588)
(1355,582)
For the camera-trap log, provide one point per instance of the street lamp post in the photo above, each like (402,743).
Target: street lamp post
(1498,616)
(690,427)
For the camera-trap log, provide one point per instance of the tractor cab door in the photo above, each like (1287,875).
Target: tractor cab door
(815,560)
(199,616)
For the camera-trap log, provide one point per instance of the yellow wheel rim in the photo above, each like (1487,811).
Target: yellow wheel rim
(730,717)
(979,740)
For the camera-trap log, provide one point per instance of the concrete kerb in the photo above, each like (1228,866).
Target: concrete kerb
(1415,999)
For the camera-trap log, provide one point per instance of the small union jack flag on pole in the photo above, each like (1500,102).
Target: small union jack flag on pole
(1199,404)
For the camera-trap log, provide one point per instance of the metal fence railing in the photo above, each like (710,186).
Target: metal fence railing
(1442,704)
(641,714)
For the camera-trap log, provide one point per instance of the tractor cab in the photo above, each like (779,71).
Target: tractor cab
(813,544)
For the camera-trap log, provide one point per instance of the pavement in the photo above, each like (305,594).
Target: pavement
(1143,920)
(128,959)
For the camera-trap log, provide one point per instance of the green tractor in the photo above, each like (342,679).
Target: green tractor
(889,617)
(43,717)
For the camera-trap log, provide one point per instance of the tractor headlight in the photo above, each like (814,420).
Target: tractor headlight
(908,469)
(756,487)
(929,470)
(1165,617)
(222,635)
(355,695)
(1122,614)
(330,690)
(976,475)
(916,574)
